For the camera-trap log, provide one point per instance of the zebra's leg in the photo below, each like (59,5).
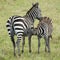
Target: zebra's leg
(38,44)
(18,45)
(47,44)
(23,43)
(24,40)
(12,39)
(29,38)
(45,47)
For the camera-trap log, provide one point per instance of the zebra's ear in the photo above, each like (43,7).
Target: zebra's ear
(36,4)
(32,4)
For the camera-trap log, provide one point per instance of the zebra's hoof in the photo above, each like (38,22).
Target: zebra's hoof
(22,51)
(49,51)
(14,54)
(45,50)
(29,51)
(38,52)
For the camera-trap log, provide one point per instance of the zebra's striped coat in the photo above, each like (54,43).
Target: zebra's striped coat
(17,25)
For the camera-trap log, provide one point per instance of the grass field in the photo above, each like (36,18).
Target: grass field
(50,8)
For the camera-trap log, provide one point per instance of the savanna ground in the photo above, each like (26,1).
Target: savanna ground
(50,8)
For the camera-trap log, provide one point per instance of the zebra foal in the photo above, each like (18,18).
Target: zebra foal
(44,29)
(18,25)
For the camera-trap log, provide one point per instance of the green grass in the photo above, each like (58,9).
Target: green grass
(50,8)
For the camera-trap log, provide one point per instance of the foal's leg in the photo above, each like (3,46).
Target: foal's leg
(23,43)
(38,44)
(12,39)
(46,43)
(29,38)
(47,46)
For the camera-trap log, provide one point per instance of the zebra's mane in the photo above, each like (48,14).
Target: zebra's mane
(35,5)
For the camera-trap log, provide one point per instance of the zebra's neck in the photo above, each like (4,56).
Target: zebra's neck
(30,17)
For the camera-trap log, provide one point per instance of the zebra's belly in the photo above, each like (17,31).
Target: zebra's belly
(28,32)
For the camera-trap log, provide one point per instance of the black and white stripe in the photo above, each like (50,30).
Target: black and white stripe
(17,25)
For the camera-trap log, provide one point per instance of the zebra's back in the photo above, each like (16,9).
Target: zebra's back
(16,25)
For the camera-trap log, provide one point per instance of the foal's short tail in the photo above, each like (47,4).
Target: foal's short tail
(50,36)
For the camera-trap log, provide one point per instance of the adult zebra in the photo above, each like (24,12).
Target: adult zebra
(17,25)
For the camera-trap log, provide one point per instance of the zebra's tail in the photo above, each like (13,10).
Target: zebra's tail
(9,26)
(50,36)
